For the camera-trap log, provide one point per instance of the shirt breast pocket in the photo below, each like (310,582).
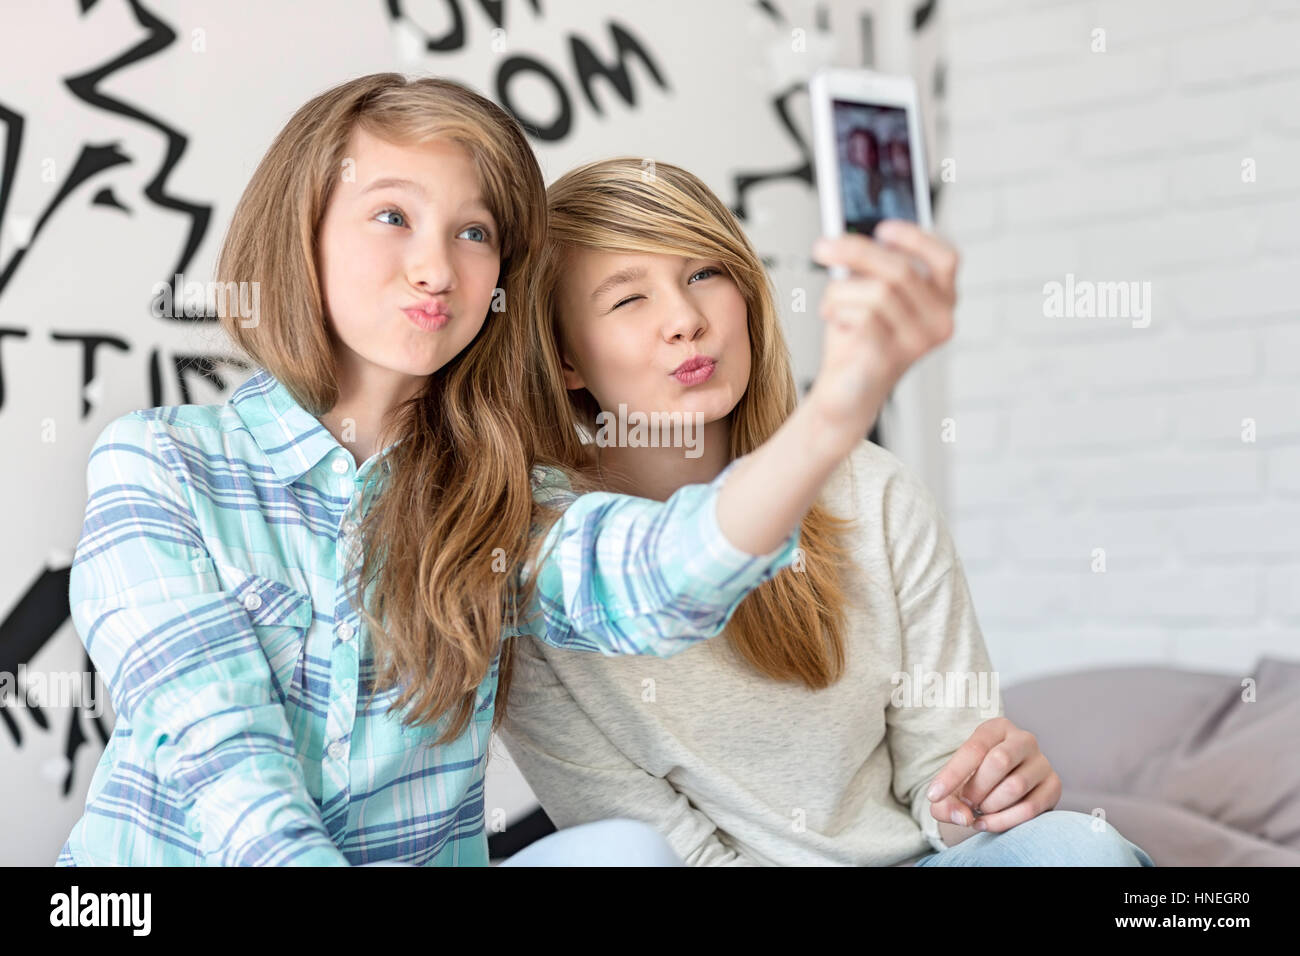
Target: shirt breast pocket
(281,616)
(389,735)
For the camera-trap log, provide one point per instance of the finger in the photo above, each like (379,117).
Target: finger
(1033,771)
(929,315)
(866,257)
(854,300)
(941,258)
(966,759)
(1017,747)
(953,809)
(936,257)
(1039,800)
(874,320)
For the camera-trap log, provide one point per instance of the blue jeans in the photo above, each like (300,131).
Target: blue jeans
(603,843)
(1054,838)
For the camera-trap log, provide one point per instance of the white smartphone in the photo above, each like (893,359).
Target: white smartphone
(869,153)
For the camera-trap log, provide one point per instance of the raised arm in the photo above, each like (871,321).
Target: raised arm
(622,574)
(185,669)
(882,318)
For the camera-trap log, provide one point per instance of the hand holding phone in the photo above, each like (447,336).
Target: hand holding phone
(881,318)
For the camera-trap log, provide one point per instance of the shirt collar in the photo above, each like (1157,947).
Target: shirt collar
(293,440)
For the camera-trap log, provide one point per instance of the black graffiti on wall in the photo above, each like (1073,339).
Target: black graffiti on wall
(42,609)
(585,63)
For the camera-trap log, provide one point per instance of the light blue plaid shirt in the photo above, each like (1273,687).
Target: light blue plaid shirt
(210,588)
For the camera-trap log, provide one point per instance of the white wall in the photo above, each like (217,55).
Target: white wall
(1083,433)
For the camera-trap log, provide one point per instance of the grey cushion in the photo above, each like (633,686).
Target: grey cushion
(1176,760)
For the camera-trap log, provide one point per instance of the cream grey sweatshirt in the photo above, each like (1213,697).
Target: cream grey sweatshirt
(737,769)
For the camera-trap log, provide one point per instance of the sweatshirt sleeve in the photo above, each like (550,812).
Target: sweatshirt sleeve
(183,664)
(947,686)
(626,575)
(579,776)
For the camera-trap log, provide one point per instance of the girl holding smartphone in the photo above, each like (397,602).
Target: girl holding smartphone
(792,741)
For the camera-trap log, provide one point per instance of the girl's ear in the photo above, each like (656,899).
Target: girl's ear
(572,377)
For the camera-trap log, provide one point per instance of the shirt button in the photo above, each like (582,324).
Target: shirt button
(347,683)
(349,527)
(340,466)
(344,631)
(336,750)
(252,602)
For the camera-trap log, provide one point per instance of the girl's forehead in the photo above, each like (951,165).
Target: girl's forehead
(426,161)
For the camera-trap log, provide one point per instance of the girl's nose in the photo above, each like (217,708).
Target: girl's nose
(688,322)
(431,267)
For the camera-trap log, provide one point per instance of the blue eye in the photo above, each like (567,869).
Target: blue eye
(708,269)
(396,212)
(483,233)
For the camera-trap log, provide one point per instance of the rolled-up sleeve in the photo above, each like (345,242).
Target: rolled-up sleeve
(621,574)
(185,669)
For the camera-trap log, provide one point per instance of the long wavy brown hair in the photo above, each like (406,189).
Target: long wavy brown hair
(457,487)
(790,627)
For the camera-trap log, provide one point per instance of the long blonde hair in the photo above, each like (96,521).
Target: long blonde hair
(457,487)
(790,627)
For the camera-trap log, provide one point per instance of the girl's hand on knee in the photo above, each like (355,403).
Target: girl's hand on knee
(999,772)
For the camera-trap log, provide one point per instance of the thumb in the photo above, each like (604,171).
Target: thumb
(945,808)
(955,802)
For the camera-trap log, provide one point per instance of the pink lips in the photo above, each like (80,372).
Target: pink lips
(429,316)
(695,370)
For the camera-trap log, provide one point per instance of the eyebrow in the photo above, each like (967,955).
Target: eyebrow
(392,182)
(630,274)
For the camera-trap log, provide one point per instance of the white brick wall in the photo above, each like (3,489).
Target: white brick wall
(1075,434)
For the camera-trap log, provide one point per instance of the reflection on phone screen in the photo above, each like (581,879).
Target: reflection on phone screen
(875,160)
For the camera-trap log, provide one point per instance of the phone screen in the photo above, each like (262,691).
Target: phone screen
(875,161)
